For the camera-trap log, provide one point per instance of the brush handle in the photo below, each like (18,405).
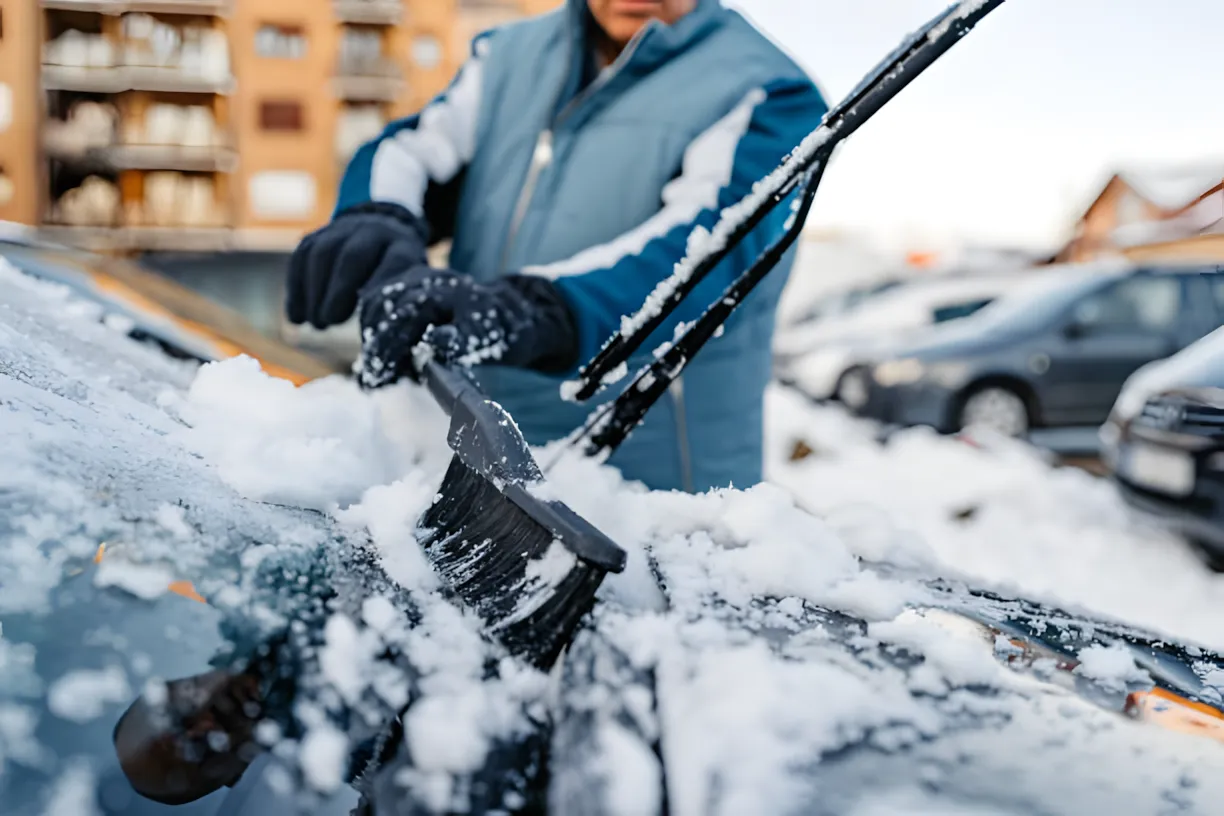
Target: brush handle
(447,386)
(482,434)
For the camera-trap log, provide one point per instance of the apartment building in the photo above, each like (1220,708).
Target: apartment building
(138,126)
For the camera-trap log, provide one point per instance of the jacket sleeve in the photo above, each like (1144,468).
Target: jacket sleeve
(720,167)
(418,161)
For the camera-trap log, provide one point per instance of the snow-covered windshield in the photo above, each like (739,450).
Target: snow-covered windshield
(166,526)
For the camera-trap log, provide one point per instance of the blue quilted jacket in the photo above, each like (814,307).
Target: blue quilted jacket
(534,161)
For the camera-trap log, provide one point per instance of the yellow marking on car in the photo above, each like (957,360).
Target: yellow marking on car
(1176,713)
(184,588)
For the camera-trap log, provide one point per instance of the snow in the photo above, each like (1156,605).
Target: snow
(84,694)
(1111,666)
(768,697)
(814,536)
(324,757)
(1000,515)
(72,794)
(1175,186)
(625,757)
(18,743)
(964,9)
(173,519)
(145,581)
(320,445)
(950,661)
(552,567)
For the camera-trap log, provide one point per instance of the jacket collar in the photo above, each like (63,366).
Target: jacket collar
(654,45)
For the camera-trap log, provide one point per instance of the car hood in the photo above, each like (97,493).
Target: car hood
(1196,366)
(778,672)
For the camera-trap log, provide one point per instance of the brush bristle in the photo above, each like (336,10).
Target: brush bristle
(481,543)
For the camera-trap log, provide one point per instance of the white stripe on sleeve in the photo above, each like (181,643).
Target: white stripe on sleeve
(706,168)
(435,150)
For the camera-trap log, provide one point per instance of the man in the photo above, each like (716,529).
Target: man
(569,161)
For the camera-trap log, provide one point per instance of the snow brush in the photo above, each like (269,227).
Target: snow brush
(527,564)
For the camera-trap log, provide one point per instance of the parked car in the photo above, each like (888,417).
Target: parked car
(1164,444)
(154,308)
(844,301)
(217,694)
(814,356)
(1191,365)
(1053,353)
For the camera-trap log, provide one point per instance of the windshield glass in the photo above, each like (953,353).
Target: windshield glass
(1040,300)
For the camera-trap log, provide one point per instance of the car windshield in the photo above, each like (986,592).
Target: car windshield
(1038,301)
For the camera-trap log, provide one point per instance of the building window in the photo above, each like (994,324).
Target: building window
(282,195)
(284,115)
(427,51)
(6,106)
(274,41)
(361,50)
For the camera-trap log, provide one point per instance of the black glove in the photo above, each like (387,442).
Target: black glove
(517,320)
(331,264)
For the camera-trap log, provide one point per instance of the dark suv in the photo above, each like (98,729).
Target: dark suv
(1168,458)
(1054,352)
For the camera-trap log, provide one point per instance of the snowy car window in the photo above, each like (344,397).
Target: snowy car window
(1143,304)
(1038,302)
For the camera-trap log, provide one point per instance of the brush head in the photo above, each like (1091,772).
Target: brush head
(530,589)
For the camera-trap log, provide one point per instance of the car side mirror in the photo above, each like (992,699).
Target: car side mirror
(1074,330)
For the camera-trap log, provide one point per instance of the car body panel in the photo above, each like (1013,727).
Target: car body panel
(1168,459)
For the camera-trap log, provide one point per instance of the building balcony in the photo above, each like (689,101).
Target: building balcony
(369,12)
(215,8)
(140,239)
(121,78)
(184,158)
(171,239)
(377,80)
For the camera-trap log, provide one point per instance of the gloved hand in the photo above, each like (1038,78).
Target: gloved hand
(363,243)
(517,320)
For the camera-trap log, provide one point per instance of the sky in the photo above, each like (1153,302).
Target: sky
(1012,133)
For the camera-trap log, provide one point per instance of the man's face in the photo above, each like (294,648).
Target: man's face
(622,19)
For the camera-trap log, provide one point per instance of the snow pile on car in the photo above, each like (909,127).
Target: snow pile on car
(994,511)
(109,456)
(736,677)
(754,657)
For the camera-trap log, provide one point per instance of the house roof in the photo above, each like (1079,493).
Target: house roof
(1205,217)
(1174,186)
